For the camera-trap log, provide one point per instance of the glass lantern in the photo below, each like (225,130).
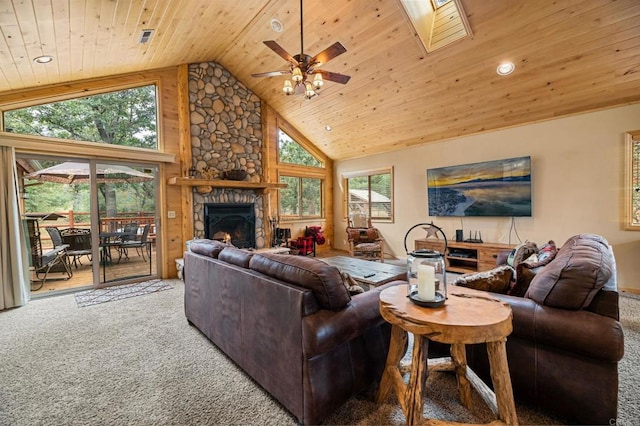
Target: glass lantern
(427,278)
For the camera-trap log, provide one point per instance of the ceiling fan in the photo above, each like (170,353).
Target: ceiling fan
(303,67)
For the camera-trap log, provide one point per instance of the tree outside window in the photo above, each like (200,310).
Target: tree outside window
(290,151)
(370,193)
(302,198)
(125,117)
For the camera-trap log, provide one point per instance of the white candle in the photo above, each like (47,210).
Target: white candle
(426,282)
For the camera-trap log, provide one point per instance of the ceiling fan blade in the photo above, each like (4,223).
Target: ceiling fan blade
(271,73)
(334,76)
(280,51)
(329,53)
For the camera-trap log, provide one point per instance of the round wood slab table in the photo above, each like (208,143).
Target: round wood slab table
(467,317)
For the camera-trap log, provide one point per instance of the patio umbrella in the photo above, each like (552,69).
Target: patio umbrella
(72,172)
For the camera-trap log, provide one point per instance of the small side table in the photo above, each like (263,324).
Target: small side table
(468,317)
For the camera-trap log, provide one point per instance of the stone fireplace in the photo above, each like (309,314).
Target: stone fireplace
(226,134)
(231,223)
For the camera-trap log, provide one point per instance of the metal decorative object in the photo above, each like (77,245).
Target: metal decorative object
(426,271)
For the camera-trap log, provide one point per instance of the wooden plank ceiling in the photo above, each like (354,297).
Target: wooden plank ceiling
(571,56)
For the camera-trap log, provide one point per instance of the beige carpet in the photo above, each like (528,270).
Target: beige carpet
(137,362)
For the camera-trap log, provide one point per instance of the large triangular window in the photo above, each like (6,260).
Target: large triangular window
(291,152)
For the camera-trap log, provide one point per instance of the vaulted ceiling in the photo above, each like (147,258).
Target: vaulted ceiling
(571,56)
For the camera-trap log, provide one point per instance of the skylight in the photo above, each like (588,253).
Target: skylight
(437,23)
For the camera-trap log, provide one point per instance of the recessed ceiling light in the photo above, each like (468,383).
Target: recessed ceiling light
(505,68)
(276,25)
(44,59)
(328,128)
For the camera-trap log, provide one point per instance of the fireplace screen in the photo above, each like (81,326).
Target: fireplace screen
(233,223)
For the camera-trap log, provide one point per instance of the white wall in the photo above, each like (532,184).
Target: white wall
(577,178)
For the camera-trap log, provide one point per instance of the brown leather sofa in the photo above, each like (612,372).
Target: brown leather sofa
(289,323)
(566,343)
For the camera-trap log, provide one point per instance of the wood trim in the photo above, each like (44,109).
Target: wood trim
(60,92)
(184,125)
(186,181)
(42,145)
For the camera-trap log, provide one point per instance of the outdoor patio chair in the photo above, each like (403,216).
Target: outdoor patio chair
(79,241)
(55,260)
(142,245)
(130,232)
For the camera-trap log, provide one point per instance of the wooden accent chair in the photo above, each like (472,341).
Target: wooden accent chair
(365,241)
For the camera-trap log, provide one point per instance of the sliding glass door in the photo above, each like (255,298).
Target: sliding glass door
(102,213)
(126,207)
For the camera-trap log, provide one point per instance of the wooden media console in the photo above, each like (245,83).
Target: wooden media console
(462,257)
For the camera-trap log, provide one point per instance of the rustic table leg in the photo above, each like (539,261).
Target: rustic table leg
(502,382)
(417,379)
(397,349)
(459,357)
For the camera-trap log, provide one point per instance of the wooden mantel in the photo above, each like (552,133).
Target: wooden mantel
(264,187)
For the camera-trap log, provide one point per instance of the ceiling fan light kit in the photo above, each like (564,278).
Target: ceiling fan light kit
(302,67)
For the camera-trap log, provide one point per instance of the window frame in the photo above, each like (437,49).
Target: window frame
(300,216)
(368,173)
(301,171)
(629,224)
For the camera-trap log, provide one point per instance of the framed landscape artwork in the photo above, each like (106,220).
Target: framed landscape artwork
(490,188)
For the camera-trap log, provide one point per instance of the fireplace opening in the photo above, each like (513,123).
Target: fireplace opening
(234,223)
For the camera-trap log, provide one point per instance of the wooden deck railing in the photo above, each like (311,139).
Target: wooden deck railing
(69,219)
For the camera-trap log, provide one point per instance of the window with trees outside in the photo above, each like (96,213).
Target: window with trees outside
(632,186)
(371,193)
(126,117)
(302,198)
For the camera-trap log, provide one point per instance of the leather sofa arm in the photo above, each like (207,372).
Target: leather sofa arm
(580,332)
(324,330)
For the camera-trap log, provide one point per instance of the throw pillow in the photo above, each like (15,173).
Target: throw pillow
(352,285)
(496,280)
(522,252)
(545,254)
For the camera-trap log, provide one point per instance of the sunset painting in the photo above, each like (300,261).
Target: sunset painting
(491,188)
